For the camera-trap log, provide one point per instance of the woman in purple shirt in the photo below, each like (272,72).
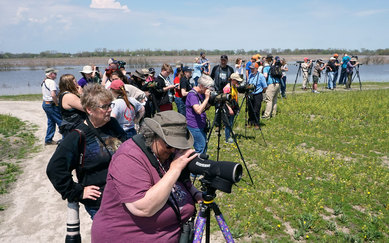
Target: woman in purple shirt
(147,198)
(196,105)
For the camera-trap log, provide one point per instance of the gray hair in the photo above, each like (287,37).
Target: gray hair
(93,94)
(206,81)
(149,135)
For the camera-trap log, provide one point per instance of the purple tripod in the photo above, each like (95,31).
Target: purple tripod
(203,218)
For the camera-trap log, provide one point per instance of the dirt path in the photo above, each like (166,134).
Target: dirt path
(35,211)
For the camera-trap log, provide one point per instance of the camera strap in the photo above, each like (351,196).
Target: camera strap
(140,142)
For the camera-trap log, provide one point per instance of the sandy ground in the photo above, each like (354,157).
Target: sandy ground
(35,211)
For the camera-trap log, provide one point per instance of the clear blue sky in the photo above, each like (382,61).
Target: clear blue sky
(85,25)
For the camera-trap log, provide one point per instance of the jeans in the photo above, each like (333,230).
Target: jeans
(336,74)
(181,108)
(331,81)
(130,133)
(343,76)
(91,211)
(196,81)
(227,129)
(200,139)
(53,117)
(283,86)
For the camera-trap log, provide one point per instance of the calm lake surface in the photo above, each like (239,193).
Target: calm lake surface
(27,81)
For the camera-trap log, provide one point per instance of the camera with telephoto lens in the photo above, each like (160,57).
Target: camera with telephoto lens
(246,88)
(220,174)
(216,98)
(121,64)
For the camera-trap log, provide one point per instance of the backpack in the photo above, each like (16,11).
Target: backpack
(275,71)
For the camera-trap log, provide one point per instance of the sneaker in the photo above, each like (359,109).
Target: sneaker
(315,91)
(265,117)
(51,143)
(230,140)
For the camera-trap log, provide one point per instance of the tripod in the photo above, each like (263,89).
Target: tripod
(357,75)
(203,218)
(297,75)
(246,99)
(220,115)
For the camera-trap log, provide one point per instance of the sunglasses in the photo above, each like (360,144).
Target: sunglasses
(107,106)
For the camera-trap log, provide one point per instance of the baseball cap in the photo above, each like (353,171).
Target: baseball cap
(51,70)
(236,77)
(116,84)
(187,69)
(224,57)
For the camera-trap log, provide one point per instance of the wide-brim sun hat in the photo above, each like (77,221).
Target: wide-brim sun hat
(86,69)
(171,127)
(236,76)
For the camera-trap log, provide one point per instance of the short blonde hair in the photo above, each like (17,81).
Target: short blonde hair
(206,81)
(93,94)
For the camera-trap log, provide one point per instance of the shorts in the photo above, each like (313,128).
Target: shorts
(315,79)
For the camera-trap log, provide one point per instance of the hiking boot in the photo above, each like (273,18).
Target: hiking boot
(51,143)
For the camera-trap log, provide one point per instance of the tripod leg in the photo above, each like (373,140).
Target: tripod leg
(257,121)
(222,224)
(237,146)
(199,229)
(202,220)
(295,81)
(359,78)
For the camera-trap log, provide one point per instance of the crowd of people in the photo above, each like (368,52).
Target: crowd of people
(331,68)
(121,135)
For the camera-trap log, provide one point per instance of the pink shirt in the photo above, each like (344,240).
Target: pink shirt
(130,176)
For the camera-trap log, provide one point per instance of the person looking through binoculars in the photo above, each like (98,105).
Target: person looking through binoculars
(148,195)
(196,105)
(350,70)
(317,74)
(255,98)
(305,68)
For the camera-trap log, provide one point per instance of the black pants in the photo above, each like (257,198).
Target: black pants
(254,108)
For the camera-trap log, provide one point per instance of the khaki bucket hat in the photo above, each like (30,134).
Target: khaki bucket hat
(171,127)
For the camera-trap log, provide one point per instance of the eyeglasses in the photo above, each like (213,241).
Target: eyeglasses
(107,106)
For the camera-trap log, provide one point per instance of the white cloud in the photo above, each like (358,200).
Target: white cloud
(38,20)
(370,12)
(108,4)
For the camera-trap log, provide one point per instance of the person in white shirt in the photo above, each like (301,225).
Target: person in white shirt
(50,104)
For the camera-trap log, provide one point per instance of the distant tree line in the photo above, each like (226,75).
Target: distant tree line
(103,52)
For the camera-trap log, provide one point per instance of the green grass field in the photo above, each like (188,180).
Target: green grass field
(16,142)
(323,176)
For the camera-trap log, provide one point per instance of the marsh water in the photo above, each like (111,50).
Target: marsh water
(25,80)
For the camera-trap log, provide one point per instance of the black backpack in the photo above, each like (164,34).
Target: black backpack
(275,71)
